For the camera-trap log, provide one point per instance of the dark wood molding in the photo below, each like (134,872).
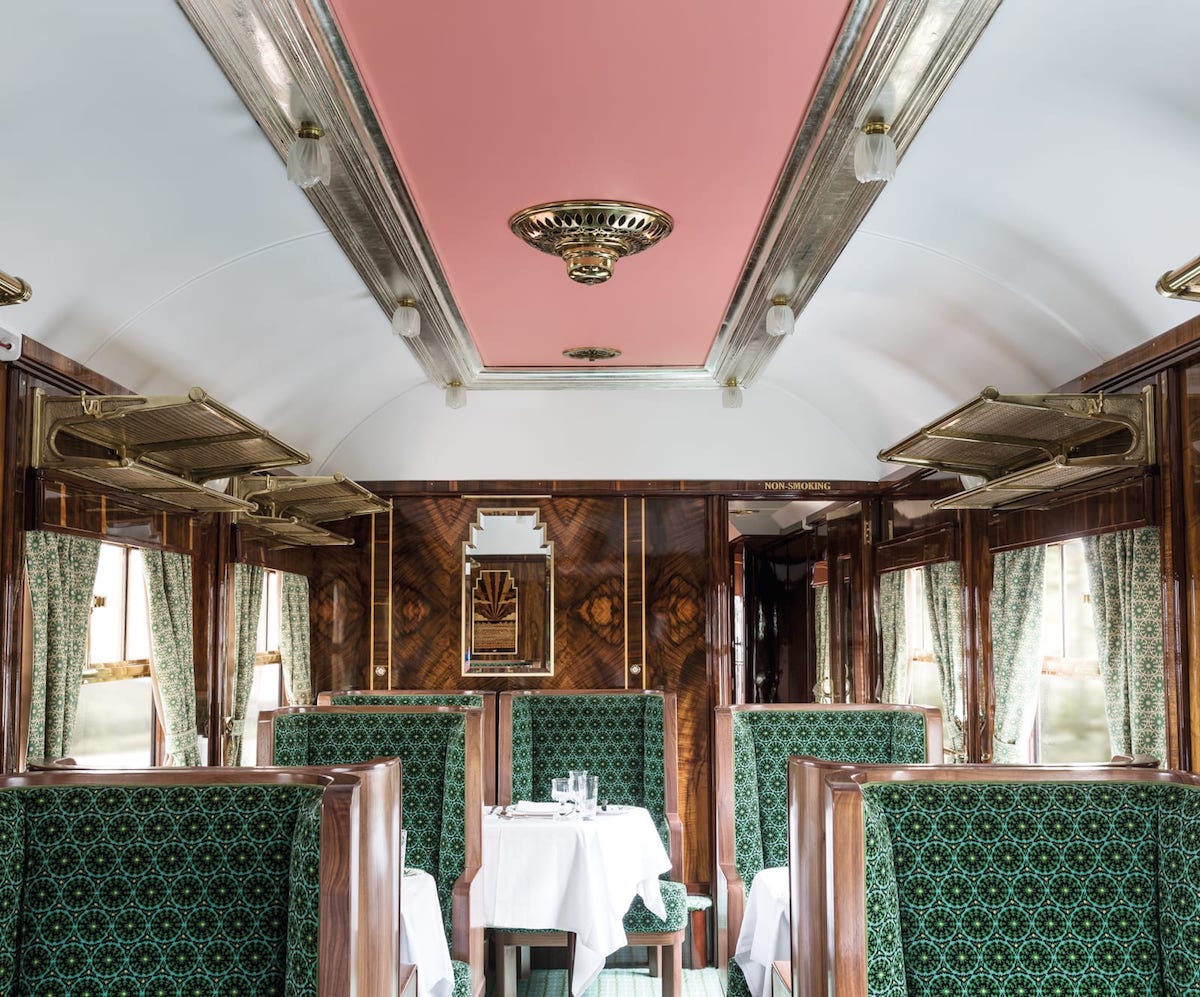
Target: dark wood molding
(978,696)
(718,601)
(1170,400)
(44,364)
(915,550)
(1129,505)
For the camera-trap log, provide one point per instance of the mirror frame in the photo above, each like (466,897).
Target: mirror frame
(501,669)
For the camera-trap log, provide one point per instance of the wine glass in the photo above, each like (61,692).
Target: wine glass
(560,792)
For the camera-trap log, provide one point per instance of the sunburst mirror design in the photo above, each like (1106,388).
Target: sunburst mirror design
(508,595)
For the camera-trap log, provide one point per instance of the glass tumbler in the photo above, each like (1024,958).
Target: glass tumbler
(579,786)
(560,791)
(590,798)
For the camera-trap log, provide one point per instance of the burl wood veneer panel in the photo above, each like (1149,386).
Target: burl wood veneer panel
(676,660)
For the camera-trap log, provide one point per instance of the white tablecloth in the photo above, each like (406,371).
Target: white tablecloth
(765,934)
(573,875)
(422,937)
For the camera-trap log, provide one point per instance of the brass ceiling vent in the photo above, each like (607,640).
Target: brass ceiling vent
(592,353)
(591,236)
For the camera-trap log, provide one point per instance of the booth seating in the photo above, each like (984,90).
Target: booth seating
(202,880)
(1006,879)
(629,740)
(752,746)
(486,701)
(441,755)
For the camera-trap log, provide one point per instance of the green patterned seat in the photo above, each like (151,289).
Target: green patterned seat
(146,889)
(1031,887)
(753,747)
(440,806)
(623,739)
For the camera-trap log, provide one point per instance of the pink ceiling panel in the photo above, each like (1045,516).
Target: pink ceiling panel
(691,107)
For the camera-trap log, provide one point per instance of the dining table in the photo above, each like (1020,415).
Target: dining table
(566,873)
(422,937)
(765,937)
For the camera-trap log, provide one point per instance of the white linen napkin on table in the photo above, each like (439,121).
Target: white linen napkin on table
(533,808)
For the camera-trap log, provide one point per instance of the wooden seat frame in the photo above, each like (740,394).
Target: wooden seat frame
(731,890)
(359,948)
(467,943)
(825,837)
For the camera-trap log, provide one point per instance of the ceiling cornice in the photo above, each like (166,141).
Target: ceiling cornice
(288,62)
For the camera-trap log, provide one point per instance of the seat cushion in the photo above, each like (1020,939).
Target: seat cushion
(639,920)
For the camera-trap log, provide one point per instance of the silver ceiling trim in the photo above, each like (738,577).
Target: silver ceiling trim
(288,63)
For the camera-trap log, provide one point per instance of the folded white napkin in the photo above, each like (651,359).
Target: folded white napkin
(531,807)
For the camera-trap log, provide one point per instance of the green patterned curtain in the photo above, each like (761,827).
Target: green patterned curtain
(943,600)
(172,654)
(1126,583)
(822,690)
(247,608)
(294,639)
(894,632)
(1018,588)
(61,573)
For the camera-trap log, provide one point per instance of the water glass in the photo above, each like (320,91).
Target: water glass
(590,798)
(560,790)
(579,785)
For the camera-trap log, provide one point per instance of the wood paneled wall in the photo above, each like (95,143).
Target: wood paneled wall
(630,587)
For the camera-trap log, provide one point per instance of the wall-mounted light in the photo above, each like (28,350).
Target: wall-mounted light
(308,157)
(874,153)
(456,394)
(731,394)
(781,320)
(406,320)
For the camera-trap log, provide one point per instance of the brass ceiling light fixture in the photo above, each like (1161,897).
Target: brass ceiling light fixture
(591,236)
(592,353)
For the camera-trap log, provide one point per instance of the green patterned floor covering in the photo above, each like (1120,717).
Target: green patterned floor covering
(620,983)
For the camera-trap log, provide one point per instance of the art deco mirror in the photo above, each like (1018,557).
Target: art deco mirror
(508,595)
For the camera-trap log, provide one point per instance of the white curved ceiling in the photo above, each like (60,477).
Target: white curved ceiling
(1018,245)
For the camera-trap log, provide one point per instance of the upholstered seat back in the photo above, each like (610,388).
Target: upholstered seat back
(619,738)
(485,701)
(1037,887)
(109,889)
(762,742)
(403,699)
(431,747)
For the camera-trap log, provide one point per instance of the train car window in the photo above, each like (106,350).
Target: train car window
(1070,725)
(925,688)
(266,693)
(114,720)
